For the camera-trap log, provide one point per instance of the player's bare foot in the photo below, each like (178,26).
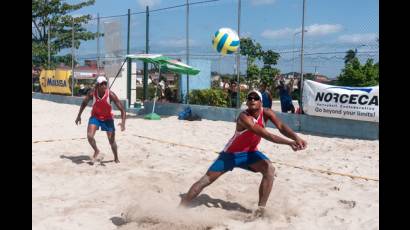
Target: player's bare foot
(116,160)
(95,155)
(259,212)
(183,205)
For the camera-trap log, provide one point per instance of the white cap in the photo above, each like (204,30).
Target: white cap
(255,91)
(101,79)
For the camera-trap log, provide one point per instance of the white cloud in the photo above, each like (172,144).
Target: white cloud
(358,38)
(150,3)
(282,33)
(312,30)
(177,43)
(246,34)
(263,2)
(322,29)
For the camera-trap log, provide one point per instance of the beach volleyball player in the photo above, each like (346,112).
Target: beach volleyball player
(102,116)
(242,150)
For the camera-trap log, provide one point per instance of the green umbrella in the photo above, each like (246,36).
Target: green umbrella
(179,67)
(163,63)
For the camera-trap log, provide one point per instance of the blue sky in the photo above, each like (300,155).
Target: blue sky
(332,26)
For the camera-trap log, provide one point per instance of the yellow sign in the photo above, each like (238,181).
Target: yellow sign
(55,81)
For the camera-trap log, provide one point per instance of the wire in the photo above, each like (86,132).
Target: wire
(156,10)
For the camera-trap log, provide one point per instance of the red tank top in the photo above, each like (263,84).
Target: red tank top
(245,141)
(101,106)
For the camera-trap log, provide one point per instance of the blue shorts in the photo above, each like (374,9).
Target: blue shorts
(107,125)
(228,161)
(286,105)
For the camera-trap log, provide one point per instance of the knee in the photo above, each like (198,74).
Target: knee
(268,170)
(271,171)
(112,141)
(90,136)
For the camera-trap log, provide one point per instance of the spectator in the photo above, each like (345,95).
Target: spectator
(233,94)
(266,96)
(168,93)
(83,90)
(224,84)
(299,110)
(285,91)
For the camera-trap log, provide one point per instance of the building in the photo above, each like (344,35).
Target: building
(290,75)
(89,70)
(322,79)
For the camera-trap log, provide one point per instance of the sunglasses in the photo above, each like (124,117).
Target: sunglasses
(103,83)
(255,98)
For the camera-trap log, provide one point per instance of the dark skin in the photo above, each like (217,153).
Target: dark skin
(91,129)
(245,121)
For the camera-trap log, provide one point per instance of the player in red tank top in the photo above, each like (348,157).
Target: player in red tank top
(241,150)
(102,116)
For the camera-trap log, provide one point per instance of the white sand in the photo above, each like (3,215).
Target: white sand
(68,193)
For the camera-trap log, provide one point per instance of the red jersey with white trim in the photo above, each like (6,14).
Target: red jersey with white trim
(245,140)
(102,109)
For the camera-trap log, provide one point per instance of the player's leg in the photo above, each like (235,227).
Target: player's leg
(91,129)
(113,143)
(198,186)
(260,163)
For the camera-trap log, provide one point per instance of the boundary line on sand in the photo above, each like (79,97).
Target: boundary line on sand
(194,147)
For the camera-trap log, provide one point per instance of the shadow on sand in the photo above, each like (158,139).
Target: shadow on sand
(210,202)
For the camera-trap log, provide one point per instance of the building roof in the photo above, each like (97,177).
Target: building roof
(88,69)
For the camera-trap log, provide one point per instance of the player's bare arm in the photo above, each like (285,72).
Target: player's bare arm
(284,129)
(246,122)
(117,102)
(87,99)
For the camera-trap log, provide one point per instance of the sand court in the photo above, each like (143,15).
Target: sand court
(313,189)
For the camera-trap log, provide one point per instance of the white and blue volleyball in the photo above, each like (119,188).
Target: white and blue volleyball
(226,41)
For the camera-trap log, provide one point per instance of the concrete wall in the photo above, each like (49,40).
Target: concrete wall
(309,124)
(340,127)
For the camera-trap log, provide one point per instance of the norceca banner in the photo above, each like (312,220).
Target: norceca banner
(355,103)
(55,81)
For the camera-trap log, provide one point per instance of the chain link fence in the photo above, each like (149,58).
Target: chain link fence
(275,26)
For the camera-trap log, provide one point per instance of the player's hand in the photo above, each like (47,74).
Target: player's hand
(122,125)
(78,120)
(302,144)
(294,146)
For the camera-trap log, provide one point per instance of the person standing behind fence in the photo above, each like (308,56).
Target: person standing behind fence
(300,109)
(266,96)
(285,91)
(102,116)
(233,94)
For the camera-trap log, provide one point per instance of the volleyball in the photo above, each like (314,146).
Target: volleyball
(225,41)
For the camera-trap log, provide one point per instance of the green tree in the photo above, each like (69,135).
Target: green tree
(355,74)
(268,73)
(350,55)
(308,76)
(252,74)
(56,13)
(251,49)
(270,57)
